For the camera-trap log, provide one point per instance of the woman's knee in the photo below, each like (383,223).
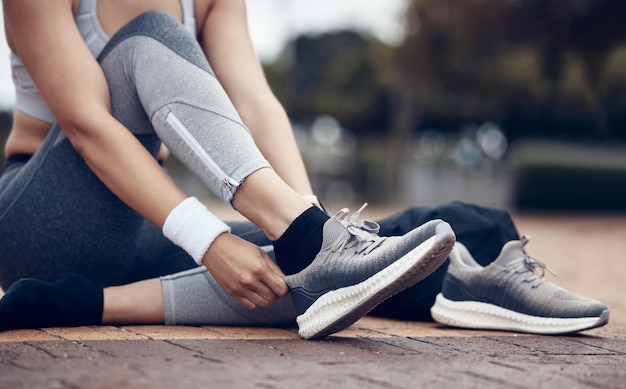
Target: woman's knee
(164,28)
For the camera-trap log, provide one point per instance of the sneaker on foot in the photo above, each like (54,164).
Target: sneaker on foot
(71,301)
(511,294)
(356,270)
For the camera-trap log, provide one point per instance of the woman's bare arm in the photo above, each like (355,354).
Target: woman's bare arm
(226,42)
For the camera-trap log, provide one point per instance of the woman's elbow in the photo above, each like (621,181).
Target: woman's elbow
(82,127)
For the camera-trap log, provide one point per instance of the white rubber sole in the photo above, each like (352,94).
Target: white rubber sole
(340,308)
(477,315)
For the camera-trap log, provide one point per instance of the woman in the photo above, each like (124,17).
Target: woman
(83,192)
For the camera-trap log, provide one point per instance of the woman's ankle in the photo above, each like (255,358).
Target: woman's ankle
(269,203)
(301,242)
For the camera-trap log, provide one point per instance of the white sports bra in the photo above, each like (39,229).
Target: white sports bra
(27,96)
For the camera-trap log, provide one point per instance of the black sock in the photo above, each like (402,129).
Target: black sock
(69,302)
(301,242)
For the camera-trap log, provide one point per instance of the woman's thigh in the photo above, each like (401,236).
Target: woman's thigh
(56,217)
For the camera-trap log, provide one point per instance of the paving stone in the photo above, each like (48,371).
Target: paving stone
(94,333)
(25,335)
(23,357)
(174,332)
(255,332)
(604,343)
(559,345)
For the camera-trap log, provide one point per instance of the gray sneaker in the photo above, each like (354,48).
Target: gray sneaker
(356,270)
(510,294)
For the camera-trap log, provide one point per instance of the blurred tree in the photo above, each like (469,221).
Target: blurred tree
(536,66)
(337,74)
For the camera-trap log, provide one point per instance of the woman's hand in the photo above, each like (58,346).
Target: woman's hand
(245,271)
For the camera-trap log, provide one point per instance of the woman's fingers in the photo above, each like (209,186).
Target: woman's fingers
(245,271)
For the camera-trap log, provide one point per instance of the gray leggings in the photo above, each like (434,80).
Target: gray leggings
(57,217)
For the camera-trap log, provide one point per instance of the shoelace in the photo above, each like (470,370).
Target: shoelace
(363,233)
(532,265)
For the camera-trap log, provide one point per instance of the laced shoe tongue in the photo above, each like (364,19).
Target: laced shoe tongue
(512,251)
(335,227)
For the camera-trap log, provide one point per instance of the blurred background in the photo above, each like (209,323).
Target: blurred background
(519,104)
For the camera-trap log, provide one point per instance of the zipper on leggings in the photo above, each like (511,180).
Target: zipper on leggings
(199,151)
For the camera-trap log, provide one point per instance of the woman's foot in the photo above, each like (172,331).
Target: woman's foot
(71,301)
(356,270)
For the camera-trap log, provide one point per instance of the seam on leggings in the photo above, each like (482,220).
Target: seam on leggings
(229,182)
(189,103)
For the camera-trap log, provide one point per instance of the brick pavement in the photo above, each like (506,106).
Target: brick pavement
(586,251)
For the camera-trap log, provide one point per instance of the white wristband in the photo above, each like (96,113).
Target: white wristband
(191,226)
